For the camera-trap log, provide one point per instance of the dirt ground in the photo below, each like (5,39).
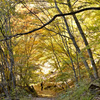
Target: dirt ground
(45,93)
(44,99)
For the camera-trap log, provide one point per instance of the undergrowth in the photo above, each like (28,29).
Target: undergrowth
(80,92)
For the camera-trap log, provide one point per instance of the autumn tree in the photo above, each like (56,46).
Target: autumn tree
(47,31)
(6,46)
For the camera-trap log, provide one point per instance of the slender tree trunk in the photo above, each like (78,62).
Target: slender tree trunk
(9,63)
(78,65)
(73,67)
(76,46)
(3,75)
(85,41)
(58,63)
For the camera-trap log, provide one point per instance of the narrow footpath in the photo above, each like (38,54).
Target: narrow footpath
(43,98)
(48,94)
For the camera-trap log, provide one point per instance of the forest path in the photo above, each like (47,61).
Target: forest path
(48,93)
(45,94)
(43,98)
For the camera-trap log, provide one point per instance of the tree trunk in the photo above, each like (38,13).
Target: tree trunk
(85,41)
(73,67)
(76,46)
(78,65)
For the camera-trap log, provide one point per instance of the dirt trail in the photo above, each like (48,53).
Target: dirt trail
(44,94)
(44,98)
(49,93)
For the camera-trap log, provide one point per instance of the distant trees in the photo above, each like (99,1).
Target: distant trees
(73,38)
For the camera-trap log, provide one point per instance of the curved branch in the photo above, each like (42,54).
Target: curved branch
(58,15)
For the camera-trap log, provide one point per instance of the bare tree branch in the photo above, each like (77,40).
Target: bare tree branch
(58,15)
